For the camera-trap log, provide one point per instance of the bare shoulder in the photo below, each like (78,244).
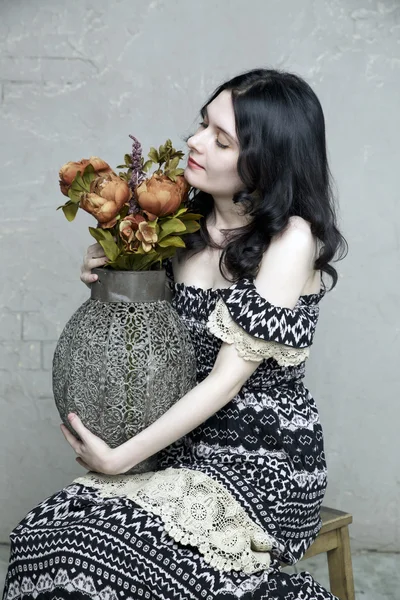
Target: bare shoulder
(298,230)
(287,266)
(296,237)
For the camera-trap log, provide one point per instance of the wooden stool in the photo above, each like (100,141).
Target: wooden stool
(333,539)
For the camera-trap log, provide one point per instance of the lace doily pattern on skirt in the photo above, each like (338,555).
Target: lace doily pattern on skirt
(196,510)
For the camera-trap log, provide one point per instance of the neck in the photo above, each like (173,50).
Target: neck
(226,215)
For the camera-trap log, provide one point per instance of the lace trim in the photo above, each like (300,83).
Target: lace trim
(196,510)
(221,324)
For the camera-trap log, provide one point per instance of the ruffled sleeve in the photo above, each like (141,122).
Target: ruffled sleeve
(259,329)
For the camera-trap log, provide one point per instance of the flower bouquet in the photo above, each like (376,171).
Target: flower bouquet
(125,357)
(140,220)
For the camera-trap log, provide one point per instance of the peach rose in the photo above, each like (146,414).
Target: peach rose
(160,196)
(69,171)
(107,196)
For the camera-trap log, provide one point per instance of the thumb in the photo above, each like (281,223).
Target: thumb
(78,425)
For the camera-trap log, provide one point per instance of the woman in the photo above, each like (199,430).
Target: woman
(242,471)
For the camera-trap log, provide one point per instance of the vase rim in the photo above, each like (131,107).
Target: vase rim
(141,286)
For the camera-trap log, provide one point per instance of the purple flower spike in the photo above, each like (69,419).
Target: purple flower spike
(137,174)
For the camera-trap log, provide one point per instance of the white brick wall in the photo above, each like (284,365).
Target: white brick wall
(77,78)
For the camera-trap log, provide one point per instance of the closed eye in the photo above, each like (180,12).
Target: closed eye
(205,125)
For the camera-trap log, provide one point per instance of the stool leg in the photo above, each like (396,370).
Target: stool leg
(340,567)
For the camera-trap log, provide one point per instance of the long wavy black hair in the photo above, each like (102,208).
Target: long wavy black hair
(283,164)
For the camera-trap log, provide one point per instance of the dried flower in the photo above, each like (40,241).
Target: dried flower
(107,196)
(69,171)
(160,196)
(140,218)
(137,175)
(147,235)
(127,228)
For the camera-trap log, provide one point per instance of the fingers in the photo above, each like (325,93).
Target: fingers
(94,258)
(88,278)
(97,262)
(95,251)
(86,269)
(71,439)
(79,427)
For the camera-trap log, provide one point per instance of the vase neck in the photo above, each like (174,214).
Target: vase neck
(128,286)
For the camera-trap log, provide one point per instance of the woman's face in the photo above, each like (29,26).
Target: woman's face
(215,148)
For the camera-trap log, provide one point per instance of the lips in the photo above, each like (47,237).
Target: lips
(191,160)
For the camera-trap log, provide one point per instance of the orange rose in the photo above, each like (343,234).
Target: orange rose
(107,196)
(147,235)
(69,171)
(160,196)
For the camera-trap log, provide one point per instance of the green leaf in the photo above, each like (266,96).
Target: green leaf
(111,249)
(128,160)
(153,155)
(173,173)
(141,262)
(147,165)
(153,224)
(140,250)
(171,226)
(150,258)
(192,226)
(124,211)
(77,188)
(70,209)
(75,195)
(106,241)
(190,217)
(172,240)
(121,167)
(166,252)
(88,176)
(123,262)
(174,163)
(101,234)
(181,211)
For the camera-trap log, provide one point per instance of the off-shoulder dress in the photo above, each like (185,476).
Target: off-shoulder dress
(230,501)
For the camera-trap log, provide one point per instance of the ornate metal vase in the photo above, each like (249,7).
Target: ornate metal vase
(123,359)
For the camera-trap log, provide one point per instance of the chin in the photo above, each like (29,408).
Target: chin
(188,175)
(194,182)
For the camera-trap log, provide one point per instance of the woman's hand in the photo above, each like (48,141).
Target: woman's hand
(93,453)
(93,258)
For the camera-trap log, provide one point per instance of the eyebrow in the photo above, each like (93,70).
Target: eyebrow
(204,113)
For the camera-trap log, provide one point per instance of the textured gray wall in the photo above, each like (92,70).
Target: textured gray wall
(75,79)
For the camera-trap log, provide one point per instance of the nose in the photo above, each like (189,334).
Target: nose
(195,142)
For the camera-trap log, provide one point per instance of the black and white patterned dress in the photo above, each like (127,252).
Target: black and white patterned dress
(231,500)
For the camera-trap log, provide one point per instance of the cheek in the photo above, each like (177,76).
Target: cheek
(225,165)
(231,172)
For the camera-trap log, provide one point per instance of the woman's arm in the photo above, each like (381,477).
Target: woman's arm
(230,372)
(285,269)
